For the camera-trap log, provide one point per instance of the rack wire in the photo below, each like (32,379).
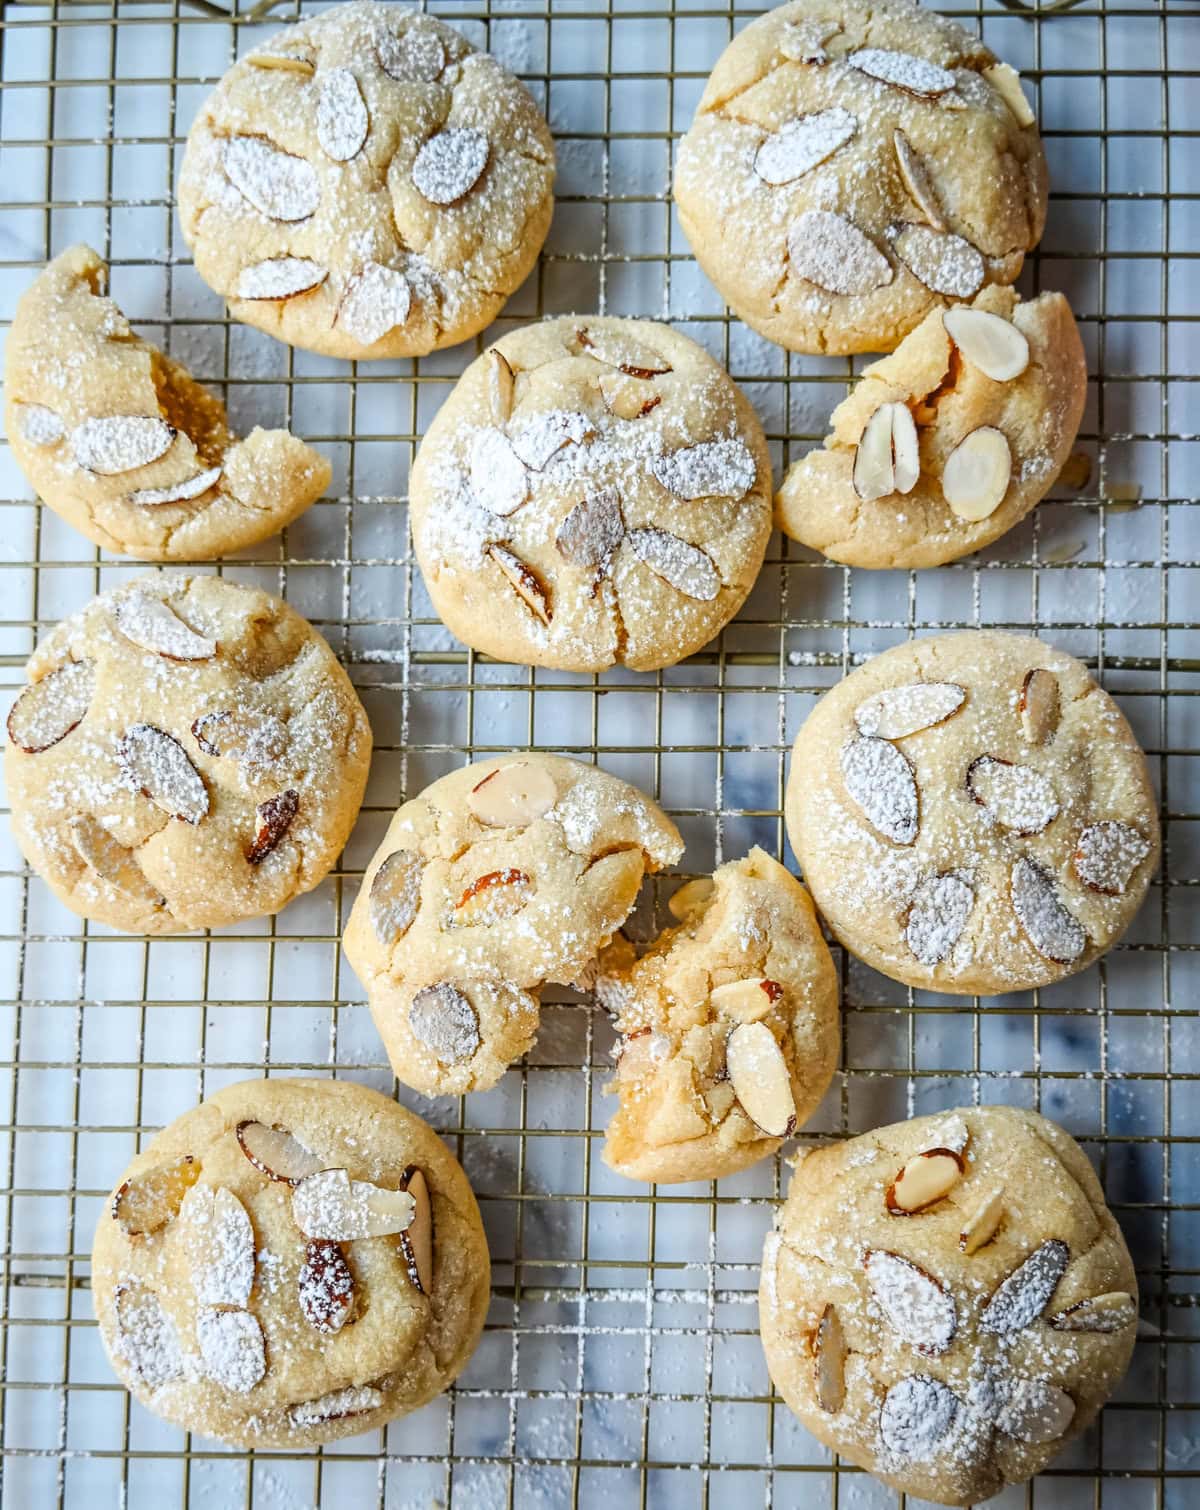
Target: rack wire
(621,1362)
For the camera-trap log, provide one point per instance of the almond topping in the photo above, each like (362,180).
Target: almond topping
(377,300)
(988,342)
(416,56)
(880,780)
(920,1309)
(591,533)
(444,1021)
(499,479)
(685,567)
(231,1348)
(917,1413)
(416,1242)
(711,469)
(1016,797)
(977,473)
(1107,855)
(628,397)
(829,1350)
(338,1405)
(941,261)
(748,1000)
(1024,1295)
(39,425)
(157,765)
(804,41)
(395,895)
(256,740)
(617,348)
(887,459)
(801,145)
(110,859)
(326,1287)
(524,581)
(540,441)
(691,897)
(181,492)
(277,183)
(500,385)
(1034,1411)
(154,625)
(1052,930)
(450,164)
(896,712)
(342,121)
(272,820)
(279,278)
(917,181)
(493,897)
(220,1244)
(282,62)
(940,908)
(147,1339)
(330,1205)
(275,1152)
(513,795)
(147,1202)
(827,250)
(640,1054)
(1040,706)
(923,1181)
(903,71)
(1111,1312)
(120,442)
(1006,81)
(980,1227)
(759,1075)
(49,709)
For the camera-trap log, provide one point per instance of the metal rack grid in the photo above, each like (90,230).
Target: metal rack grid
(621,1356)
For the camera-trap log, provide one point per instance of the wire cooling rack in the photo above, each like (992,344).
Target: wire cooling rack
(621,1363)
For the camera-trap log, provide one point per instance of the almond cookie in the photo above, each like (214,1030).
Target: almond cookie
(366,184)
(946,444)
(187,754)
(498,878)
(853,164)
(291,1262)
(125,444)
(948,1301)
(729,1027)
(973,814)
(594,492)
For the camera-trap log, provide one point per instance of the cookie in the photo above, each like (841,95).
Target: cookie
(498,878)
(125,444)
(948,1301)
(853,164)
(187,754)
(367,184)
(973,814)
(949,442)
(291,1262)
(729,1027)
(593,493)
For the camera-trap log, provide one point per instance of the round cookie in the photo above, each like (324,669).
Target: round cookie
(125,444)
(498,878)
(187,754)
(593,492)
(291,1262)
(949,442)
(729,1027)
(854,163)
(366,184)
(973,814)
(948,1301)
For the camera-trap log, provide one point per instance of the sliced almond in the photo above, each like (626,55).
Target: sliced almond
(39,425)
(146,1336)
(988,342)
(759,1075)
(980,1227)
(640,1054)
(1052,930)
(513,795)
(747,1000)
(326,1287)
(887,457)
(1040,706)
(154,625)
(395,895)
(918,1307)
(377,300)
(691,897)
(1034,1411)
(282,62)
(442,1019)
(147,1202)
(49,709)
(628,397)
(710,469)
(897,712)
(592,531)
(829,1350)
(500,384)
(277,183)
(801,145)
(941,261)
(279,278)
(157,765)
(804,41)
(903,71)
(1111,1312)
(977,473)
(232,1350)
(272,819)
(338,1405)
(499,478)
(1016,797)
(1108,854)
(450,164)
(416,1242)
(181,492)
(111,860)
(524,581)
(940,908)
(540,440)
(221,1246)
(1006,81)
(880,780)
(617,348)
(257,740)
(275,1152)
(827,250)
(1024,1295)
(416,56)
(330,1205)
(917,180)
(342,120)
(493,897)
(685,567)
(906,455)
(118,443)
(924,1181)
(917,1414)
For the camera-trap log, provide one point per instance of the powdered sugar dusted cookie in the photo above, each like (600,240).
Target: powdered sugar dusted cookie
(366,184)
(729,1027)
(188,753)
(594,492)
(124,444)
(853,163)
(973,814)
(498,878)
(946,444)
(948,1301)
(292,1262)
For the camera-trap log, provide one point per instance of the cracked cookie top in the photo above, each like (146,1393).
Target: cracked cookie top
(948,1301)
(188,753)
(367,184)
(853,163)
(594,492)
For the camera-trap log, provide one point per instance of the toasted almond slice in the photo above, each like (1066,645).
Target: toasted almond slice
(499,478)
(395,895)
(940,908)
(330,1205)
(279,278)
(501,383)
(146,1336)
(592,531)
(272,819)
(874,476)
(827,250)
(980,1227)
(628,397)
(1034,1411)
(917,181)
(524,581)
(147,1202)
(617,348)
(232,1351)
(918,1412)
(1024,1295)
(880,780)
(988,342)
(342,120)
(256,739)
(688,569)
(416,56)
(493,897)
(49,709)
(326,1286)
(157,765)
(924,1181)
(919,1308)
(278,184)
(442,1019)
(941,261)
(1016,797)
(282,62)
(275,1152)
(804,41)
(977,473)
(117,443)
(1040,706)
(450,164)
(111,861)
(513,795)
(180,492)
(691,897)
(1052,930)
(1006,81)
(759,1075)
(748,1000)
(377,300)
(40,426)
(539,442)
(338,1405)
(829,1350)
(903,71)
(897,712)
(220,1244)
(1108,854)
(1111,1312)
(416,1242)
(154,625)
(801,145)
(710,469)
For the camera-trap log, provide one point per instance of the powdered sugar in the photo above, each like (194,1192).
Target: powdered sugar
(881,782)
(39,425)
(1016,797)
(829,251)
(146,1337)
(115,443)
(918,1412)
(896,712)
(450,164)
(145,619)
(377,299)
(1026,1292)
(231,1348)
(499,479)
(686,567)
(280,278)
(444,1021)
(903,70)
(342,120)
(943,262)
(920,1309)
(278,184)
(1052,930)
(713,468)
(802,144)
(941,907)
